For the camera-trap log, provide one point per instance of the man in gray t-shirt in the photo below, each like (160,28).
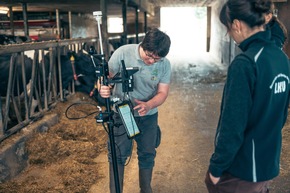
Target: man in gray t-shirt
(151,87)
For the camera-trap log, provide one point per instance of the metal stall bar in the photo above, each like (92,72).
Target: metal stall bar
(44,81)
(24,85)
(54,86)
(11,69)
(16,103)
(50,74)
(32,83)
(54,79)
(59,73)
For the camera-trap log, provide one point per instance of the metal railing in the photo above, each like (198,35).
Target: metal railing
(17,109)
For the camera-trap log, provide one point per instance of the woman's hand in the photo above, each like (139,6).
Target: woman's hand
(214,180)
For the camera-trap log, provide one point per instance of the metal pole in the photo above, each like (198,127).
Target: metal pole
(25,20)
(108,108)
(11,20)
(137,24)
(57,23)
(70,24)
(124,14)
(100,37)
(104,9)
(145,21)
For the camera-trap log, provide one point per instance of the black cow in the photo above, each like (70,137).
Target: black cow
(85,69)
(66,69)
(81,68)
(5,60)
(4,73)
(78,66)
(17,86)
(10,39)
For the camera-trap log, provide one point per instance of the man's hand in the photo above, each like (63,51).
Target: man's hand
(105,91)
(142,107)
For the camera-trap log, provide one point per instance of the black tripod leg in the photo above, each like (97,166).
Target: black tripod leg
(114,157)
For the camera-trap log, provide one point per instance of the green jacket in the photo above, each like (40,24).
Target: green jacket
(253,112)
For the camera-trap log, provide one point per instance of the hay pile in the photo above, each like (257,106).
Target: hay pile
(63,159)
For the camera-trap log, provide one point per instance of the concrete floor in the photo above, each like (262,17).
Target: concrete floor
(188,122)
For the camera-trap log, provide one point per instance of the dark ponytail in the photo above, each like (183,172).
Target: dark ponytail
(251,12)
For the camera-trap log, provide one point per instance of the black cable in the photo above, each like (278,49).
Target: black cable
(104,126)
(88,103)
(80,103)
(130,154)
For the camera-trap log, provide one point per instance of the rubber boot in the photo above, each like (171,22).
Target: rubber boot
(112,179)
(145,176)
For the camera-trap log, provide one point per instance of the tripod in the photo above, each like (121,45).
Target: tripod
(110,123)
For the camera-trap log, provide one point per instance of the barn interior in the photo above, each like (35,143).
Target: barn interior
(200,47)
(59,19)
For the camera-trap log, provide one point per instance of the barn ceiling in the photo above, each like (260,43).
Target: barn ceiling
(37,8)
(89,6)
(114,7)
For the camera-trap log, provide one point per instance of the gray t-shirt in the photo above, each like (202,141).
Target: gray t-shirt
(146,80)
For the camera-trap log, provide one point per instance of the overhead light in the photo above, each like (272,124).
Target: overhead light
(4,10)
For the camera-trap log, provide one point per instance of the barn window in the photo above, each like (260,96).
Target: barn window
(115,25)
(187,28)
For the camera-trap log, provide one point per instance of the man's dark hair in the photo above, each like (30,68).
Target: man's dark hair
(157,42)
